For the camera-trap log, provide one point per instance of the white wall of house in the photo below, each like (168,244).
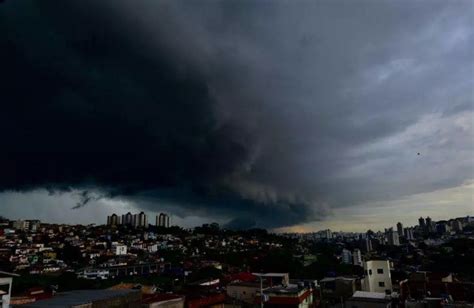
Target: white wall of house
(5,298)
(378,278)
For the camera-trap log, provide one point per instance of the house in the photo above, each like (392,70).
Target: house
(6,281)
(290,296)
(244,291)
(335,288)
(377,276)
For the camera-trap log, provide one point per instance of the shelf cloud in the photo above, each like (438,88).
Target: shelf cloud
(266,114)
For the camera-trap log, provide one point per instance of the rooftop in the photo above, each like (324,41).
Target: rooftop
(327,279)
(374,297)
(364,294)
(79,297)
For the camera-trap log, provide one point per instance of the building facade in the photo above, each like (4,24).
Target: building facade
(377,276)
(163,220)
(357,257)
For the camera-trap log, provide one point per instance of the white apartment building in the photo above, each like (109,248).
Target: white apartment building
(377,276)
(119,249)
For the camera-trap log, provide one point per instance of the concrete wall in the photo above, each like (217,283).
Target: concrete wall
(243,293)
(373,278)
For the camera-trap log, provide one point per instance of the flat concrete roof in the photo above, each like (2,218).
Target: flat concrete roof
(371,297)
(327,279)
(365,294)
(78,297)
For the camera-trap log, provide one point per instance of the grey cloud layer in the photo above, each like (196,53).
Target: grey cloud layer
(303,106)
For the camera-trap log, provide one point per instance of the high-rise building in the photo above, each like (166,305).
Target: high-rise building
(346,256)
(357,257)
(392,237)
(422,223)
(34,224)
(442,227)
(163,220)
(20,225)
(367,244)
(430,225)
(113,220)
(327,234)
(142,220)
(457,225)
(409,235)
(27,225)
(127,219)
(400,229)
(139,220)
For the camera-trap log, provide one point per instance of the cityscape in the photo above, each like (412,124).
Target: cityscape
(132,261)
(236,154)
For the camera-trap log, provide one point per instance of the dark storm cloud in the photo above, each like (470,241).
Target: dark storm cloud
(266,112)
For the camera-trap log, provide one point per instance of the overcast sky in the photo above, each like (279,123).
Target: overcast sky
(289,115)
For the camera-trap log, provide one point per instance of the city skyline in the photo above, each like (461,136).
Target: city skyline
(166,221)
(104,208)
(289,117)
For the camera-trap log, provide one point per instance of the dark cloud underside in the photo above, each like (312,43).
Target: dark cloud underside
(267,113)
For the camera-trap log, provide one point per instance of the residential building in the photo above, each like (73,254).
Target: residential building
(442,227)
(119,250)
(6,280)
(244,291)
(142,220)
(20,225)
(127,219)
(400,229)
(163,220)
(113,220)
(429,224)
(392,237)
(346,256)
(368,244)
(456,225)
(409,234)
(327,234)
(377,276)
(333,289)
(292,296)
(422,223)
(357,257)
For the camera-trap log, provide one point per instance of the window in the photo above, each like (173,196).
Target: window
(370,272)
(380,271)
(381,284)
